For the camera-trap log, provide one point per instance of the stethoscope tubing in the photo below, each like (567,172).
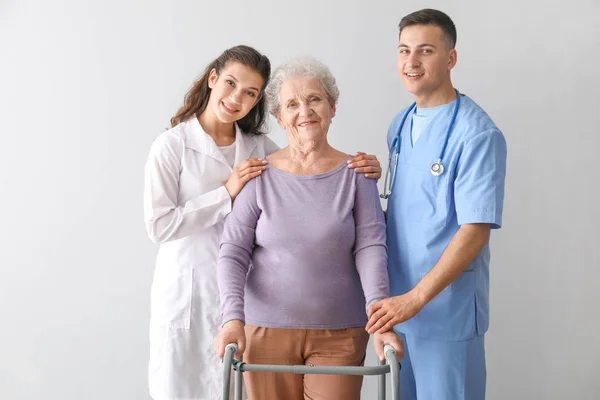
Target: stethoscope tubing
(437,168)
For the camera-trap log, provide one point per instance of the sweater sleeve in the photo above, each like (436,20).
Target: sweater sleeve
(370,250)
(235,252)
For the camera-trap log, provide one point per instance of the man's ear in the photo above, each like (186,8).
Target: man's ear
(452,59)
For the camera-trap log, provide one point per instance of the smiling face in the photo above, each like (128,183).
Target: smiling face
(305,111)
(424,60)
(234,91)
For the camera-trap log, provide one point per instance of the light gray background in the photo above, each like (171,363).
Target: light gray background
(86,86)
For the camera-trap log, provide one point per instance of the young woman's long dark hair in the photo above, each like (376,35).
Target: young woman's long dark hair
(196,99)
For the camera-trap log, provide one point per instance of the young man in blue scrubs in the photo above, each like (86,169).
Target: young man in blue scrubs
(439,224)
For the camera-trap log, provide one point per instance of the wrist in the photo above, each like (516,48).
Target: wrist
(419,296)
(233,323)
(229,190)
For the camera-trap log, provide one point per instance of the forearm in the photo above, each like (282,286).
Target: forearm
(371,264)
(232,269)
(458,255)
(166,221)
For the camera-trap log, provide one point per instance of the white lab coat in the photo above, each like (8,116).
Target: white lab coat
(185,204)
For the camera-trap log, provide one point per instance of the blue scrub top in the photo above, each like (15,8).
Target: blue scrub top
(425,211)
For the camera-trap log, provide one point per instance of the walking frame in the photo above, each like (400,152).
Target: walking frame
(390,365)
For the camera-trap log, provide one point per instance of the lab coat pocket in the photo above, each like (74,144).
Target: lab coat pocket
(172,299)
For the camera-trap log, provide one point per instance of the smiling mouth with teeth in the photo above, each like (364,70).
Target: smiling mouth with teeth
(231,110)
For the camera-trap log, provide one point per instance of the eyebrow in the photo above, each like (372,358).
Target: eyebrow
(418,46)
(236,81)
(304,96)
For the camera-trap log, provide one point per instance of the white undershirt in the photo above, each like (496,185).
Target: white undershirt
(229,153)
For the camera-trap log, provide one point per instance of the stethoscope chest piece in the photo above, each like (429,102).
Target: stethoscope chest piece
(437,168)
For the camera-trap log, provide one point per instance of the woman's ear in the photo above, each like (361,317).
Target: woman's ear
(212,78)
(279,121)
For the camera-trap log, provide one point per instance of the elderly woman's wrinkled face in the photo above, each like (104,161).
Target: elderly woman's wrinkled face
(306,111)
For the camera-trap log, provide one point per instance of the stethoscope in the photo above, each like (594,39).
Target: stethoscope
(437,168)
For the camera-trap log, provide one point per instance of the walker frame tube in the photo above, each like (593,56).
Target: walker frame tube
(390,365)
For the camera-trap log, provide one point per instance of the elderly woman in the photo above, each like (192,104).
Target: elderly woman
(314,233)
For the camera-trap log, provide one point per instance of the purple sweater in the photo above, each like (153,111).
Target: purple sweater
(317,249)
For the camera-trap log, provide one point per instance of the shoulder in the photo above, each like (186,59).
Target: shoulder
(275,156)
(362,181)
(264,144)
(261,139)
(475,121)
(396,121)
(170,140)
(249,192)
(359,180)
(399,116)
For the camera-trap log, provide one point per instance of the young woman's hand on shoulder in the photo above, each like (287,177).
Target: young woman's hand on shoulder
(248,169)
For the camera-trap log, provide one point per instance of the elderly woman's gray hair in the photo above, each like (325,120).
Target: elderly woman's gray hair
(302,67)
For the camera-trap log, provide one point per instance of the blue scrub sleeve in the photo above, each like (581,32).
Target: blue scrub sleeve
(480,176)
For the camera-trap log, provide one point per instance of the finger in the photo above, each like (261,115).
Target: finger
(400,350)
(244,164)
(356,159)
(241,347)
(248,177)
(374,175)
(365,163)
(394,340)
(365,170)
(372,157)
(363,157)
(387,326)
(372,162)
(251,170)
(220,349)
(379,348)
(374,308)
(353,162)
(374,319)
(360,153)
(381,322)
(255,162)
(398,345)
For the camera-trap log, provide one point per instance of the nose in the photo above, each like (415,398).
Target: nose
(305,109)
(236,96)
(413,60)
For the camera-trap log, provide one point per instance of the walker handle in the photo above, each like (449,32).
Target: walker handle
(392,359)
(230,351)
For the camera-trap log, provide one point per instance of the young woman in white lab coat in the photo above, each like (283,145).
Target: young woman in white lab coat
(193,173)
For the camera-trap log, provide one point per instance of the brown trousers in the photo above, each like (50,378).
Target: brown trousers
(345,347)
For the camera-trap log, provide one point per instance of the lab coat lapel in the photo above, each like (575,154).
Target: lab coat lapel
(200,141)
(245,145)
